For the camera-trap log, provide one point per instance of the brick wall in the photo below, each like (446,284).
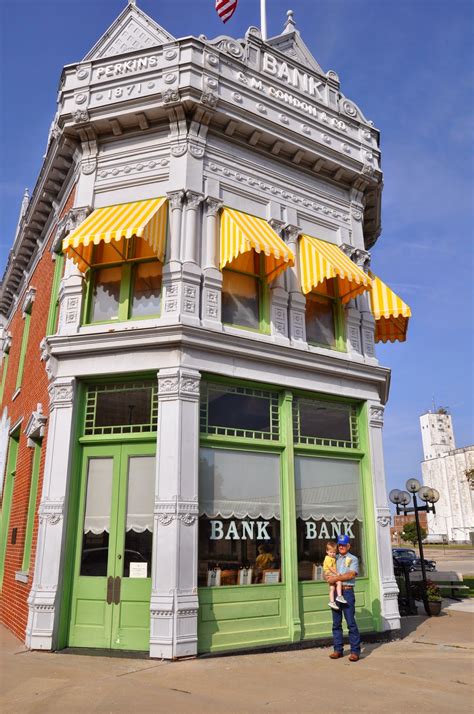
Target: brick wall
(34,390)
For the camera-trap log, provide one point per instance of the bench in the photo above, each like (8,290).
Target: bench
(447,581)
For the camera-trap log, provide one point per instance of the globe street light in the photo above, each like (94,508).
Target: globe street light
(401,499)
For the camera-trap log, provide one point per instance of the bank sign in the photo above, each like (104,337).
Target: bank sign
(258,530)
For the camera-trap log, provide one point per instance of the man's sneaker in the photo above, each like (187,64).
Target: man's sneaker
(341,599)
(333,606)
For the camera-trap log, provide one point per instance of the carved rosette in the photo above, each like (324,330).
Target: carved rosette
(376,416)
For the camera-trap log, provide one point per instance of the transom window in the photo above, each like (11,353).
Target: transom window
(244,292)
(320,423)
(122,408)
(124,281)
(234,411)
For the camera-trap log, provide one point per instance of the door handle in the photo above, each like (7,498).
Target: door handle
(117,584)
(110,590)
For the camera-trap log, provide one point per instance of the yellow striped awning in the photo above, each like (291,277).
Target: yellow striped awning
(240,233)
(144,219)
(390,312)
(321,261)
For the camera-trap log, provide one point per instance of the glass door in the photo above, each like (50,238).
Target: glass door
(112,570)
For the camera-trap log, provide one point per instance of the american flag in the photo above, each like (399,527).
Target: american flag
(226,8)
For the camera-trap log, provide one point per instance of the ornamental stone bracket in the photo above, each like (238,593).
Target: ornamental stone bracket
(61,394)
(167,511)
(376,413)
(73,218)
(36,426)
(28,300)
(50,362)
(178,384)
(6,343)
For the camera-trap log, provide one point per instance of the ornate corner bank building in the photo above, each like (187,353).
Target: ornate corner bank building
(192,405)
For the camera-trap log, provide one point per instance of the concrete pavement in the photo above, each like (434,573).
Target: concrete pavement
(429,670)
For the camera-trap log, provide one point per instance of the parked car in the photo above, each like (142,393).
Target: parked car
(408,557)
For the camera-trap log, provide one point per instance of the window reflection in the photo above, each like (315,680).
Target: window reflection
(146,298)
(105,294)
(320,323)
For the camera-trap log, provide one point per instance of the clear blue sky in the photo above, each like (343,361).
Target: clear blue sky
(409,65)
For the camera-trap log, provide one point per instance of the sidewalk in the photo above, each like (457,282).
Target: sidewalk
(429,670)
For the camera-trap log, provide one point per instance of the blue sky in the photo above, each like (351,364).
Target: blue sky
(409,65)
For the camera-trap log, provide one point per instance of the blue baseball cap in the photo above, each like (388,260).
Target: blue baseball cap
(343,540)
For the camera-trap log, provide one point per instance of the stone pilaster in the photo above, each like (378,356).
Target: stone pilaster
(279,298)
(296,300)
(174,599)
(388,584)
(70,299)
(212,277)
(44,598)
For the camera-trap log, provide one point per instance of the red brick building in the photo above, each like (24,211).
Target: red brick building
(400,521)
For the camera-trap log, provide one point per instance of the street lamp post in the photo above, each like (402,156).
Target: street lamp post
(401,499)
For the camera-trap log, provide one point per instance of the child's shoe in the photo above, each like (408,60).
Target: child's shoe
(341,599)
(333,606)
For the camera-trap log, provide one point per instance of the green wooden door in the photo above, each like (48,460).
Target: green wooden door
(112,571)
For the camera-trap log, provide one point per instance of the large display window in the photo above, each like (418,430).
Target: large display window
(239,523)
(328,504)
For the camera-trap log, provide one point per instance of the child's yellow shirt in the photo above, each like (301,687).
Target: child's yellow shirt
(329,565)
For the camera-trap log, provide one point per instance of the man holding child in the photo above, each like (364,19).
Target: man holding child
(347,568)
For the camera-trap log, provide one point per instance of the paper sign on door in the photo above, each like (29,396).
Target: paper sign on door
(138,570)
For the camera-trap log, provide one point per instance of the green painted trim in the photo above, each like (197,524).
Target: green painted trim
(6,358)
(54,303)
(24,345)
(7,501)
(35,468)
(369,522)
(288,519)
(124,296)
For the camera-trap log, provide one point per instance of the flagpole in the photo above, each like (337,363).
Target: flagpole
(263,18)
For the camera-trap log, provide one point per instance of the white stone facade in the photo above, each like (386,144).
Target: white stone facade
(254,126)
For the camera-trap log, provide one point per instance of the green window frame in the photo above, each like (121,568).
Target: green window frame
(91,430)
(128,266)
(6,358)
(23,348)
(52,322)
(7,499)
(263,296)
(337,315)
(351,410)
(35,469)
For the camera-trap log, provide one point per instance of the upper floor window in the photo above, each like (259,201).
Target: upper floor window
(244,294)
(124,281)
(324,317)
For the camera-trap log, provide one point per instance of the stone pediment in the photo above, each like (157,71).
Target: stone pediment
(290,43)
(132,30)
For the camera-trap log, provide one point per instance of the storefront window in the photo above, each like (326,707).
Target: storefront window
(239,523)
(96,530)
(328,503)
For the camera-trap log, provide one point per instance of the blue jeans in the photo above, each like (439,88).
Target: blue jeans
(349,614)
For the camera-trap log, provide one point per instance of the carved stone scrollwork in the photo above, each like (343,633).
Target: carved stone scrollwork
(362,259)
(7,343)
(51,511)
(213,206)
(209,99)
(186,512)
(68,223)
(277,225)
(383,517)
(357,214)
(175,199)
(28,300)
(196,150)
(179,149)
(171,96)
(376,416)
(80,116)
(61,394)
(368,170)
(292,233)
(228,45)
(193,199)
(180,384)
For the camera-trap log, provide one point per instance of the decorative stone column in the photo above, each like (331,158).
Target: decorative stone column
(45,595)
(353,318)
(279,298)
(362,260)
(172,287)
(71,289)
(212,279)
(174,598)
(388,584)
(297,301)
